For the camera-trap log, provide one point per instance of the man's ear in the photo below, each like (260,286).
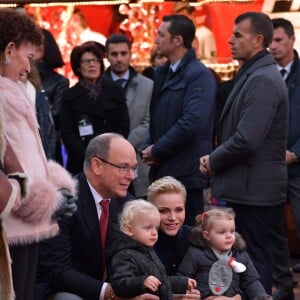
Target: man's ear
(96,165)
(259,39)
(178,40)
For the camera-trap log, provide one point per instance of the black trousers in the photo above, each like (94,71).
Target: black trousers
(282,275)
(24,266)
(194,205)
(253,223)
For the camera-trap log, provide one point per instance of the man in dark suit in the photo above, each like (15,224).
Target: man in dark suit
(72,261)
(288,64)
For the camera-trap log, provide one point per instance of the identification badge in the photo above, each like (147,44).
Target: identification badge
(85,130)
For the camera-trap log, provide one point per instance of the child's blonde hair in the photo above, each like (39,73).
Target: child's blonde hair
(132,209)
(205,221)
(166,185)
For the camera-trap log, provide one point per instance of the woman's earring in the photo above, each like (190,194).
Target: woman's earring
(7,61)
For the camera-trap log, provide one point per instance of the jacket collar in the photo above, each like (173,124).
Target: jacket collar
(176,76)
(261,59)
(252,64)
(295,66)
(187,58)
(132,73)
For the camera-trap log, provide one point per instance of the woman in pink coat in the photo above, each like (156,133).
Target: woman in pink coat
(11,192)
(49,185)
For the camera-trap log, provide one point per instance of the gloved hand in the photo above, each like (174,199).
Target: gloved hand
(68,206)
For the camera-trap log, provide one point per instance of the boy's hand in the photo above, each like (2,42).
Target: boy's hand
(152,283)
(191,284)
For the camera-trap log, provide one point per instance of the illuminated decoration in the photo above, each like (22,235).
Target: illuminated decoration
(226,71)
(139,19)
(133,3)
(105,2)
(8,5)
(140,23)
(202,2)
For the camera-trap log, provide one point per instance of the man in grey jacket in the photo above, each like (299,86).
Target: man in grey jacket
(248,166)
(138,91)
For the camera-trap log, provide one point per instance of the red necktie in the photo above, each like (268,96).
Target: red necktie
(103,226)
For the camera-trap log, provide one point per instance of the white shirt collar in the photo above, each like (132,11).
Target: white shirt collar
(116,77)
(97,198)
(287,68)
(175,65)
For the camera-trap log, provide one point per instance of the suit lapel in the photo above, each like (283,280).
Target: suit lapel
(89,212)
(131,91)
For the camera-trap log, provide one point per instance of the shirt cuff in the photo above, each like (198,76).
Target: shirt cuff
(102,292)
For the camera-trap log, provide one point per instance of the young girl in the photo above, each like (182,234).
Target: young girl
(218,260)
(135,268)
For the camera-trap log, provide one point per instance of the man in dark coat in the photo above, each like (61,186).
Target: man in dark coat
(72,261)
(181,112)
(287,60)
(249,163)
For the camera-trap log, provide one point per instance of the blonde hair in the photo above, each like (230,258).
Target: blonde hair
(133,208)
(166,185)
(205,221)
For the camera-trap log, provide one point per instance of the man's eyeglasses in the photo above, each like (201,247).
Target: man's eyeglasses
(87,61)
(122,169)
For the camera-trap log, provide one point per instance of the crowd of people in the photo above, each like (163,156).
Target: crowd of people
(127,217)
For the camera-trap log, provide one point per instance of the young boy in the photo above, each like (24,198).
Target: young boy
(135,267)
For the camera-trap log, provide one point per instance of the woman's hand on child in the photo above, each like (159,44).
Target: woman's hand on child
(146,297)
(235,297)
(190,295)
(152,283)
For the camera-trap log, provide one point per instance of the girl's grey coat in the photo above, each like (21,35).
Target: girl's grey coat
(198,261)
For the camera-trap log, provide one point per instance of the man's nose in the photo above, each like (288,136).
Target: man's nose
(272,46)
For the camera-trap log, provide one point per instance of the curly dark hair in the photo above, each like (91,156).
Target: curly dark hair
(78,51)
(18,28)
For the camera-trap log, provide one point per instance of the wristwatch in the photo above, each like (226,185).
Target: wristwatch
(295,157)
